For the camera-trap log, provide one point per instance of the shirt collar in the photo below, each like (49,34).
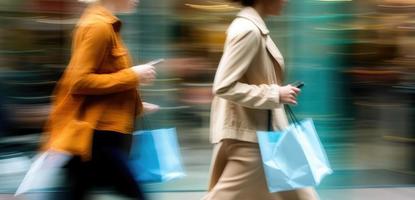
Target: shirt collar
(252,15)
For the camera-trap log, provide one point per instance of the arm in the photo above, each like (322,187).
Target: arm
(89,55)
(239,52)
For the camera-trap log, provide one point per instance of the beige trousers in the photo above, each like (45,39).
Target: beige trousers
(237,174)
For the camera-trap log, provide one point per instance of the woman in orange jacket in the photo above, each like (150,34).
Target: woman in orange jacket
(96,102)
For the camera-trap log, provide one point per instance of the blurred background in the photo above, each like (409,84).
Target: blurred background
(356,57)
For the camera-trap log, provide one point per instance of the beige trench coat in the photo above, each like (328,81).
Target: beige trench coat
(247,82)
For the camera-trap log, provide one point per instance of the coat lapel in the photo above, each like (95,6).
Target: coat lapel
(275,52)
(252,15)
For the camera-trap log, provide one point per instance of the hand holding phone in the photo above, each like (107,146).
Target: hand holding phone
(155,62)
(298,84)
(146,72)
(288,93)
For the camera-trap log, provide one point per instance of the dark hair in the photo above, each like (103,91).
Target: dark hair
(246,2)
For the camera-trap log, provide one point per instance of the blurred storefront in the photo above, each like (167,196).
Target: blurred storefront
(34,51)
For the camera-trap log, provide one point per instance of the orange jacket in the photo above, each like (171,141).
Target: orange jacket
(98,90)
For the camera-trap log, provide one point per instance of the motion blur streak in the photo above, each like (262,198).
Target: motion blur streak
(356,57)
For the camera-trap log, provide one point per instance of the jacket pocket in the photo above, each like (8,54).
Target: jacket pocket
(76,138)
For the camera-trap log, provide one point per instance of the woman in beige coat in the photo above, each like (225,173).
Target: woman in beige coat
(248,98)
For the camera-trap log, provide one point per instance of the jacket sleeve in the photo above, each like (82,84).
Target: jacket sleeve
(89,54)
(239,52)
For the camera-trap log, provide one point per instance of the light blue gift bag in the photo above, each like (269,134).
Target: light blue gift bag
(293,158)
(155,156)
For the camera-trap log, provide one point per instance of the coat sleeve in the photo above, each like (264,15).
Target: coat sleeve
(239,52)
(88,55)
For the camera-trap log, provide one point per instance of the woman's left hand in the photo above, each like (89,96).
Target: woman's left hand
(149,108)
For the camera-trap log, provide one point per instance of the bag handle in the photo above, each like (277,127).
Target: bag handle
(291,115)
(270,121)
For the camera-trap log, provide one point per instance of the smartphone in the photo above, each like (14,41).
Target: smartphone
(155,62)
(298,84)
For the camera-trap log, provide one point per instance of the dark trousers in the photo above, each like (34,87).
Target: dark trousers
(107,167)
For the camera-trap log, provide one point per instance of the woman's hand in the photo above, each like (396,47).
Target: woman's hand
(145,73)
(288,94)
(149,108)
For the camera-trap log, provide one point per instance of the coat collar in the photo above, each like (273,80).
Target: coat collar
(252,15)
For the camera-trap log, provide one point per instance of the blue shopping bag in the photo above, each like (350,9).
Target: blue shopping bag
(293,158)
(155,156)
